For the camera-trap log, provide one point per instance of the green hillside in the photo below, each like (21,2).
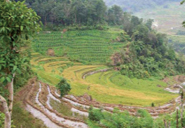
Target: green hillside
(90,46)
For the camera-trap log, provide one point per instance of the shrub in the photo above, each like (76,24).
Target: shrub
(64,87)
(153,105)
(95,114)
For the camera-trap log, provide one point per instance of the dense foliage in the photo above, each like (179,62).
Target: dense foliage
(64,87)
(87,12)
(98,119)
(14,43)
(102,119)
(18,23)
(69,12)
(148,54)
(77,13)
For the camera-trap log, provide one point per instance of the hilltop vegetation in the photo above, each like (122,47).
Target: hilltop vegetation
(165,23)
(67,12)
(78,13)
(148,54)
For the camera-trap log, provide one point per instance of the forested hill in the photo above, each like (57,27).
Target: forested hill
(146,52)
(137,5)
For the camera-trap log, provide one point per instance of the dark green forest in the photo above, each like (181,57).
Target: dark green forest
(78,12)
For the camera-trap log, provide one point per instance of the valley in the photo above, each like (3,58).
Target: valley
(91,64)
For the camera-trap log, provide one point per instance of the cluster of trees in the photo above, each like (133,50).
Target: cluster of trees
(148,53)
(78,12)
(84,12)
(69,12)
(138,5)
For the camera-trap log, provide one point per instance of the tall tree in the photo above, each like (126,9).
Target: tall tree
(79,11)
(96,11)
(115,15)
(43,8)
(17,23)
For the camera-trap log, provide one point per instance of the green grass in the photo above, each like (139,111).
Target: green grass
(61,108)
(48,77)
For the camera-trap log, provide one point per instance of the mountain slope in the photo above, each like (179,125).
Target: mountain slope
(137,5)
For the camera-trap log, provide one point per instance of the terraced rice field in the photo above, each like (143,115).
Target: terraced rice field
(105,87)
(112,87)
(44,102)
(90,46)
(50,68)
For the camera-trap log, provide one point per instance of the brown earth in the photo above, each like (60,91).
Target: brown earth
(176,79)
(50,52)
